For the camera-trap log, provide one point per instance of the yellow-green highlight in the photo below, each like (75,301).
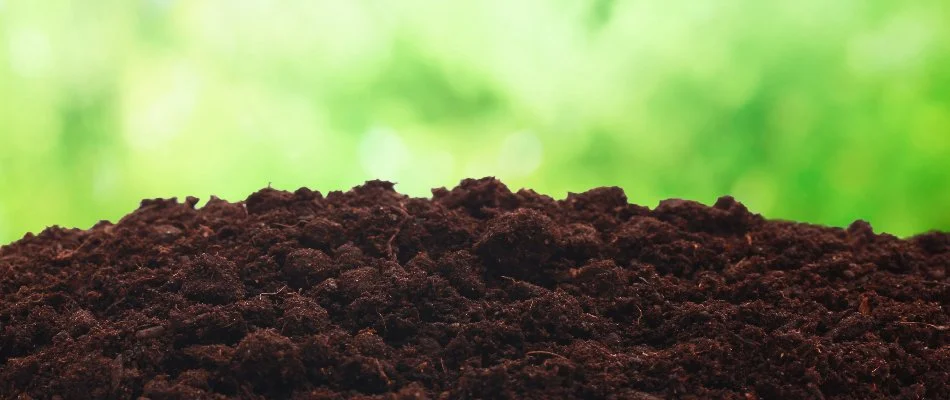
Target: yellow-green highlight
(811,110)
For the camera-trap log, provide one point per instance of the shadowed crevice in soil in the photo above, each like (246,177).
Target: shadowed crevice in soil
(478,292)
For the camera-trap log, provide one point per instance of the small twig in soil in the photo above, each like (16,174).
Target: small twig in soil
(64,254)
(116,372)
(389,243)
(865,306)
(742,339)
(383,319)
(84,243)
(261,296)
(546,353)
(937,327)
(654,288)
(382,373)
(149,333)
(284,326)
(116,303)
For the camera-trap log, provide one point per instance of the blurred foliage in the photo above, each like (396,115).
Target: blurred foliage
(812,110)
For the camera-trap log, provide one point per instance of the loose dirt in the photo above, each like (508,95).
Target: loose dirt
(478,292)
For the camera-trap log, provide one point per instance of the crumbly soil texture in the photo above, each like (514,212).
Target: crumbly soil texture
(475,293)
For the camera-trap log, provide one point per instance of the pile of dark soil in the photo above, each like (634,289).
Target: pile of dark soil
(476,293)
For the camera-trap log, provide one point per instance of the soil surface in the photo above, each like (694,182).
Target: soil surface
(478,292)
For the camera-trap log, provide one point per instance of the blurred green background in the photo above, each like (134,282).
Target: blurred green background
(813,110)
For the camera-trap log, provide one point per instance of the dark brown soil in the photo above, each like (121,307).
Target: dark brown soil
(476,293)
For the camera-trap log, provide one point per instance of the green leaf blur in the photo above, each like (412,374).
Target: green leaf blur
(812,110)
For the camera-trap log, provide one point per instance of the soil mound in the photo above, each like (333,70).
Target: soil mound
(478,292)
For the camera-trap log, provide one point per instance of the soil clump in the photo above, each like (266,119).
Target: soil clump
(477,292)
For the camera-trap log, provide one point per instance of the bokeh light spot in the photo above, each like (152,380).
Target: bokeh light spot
(30,52)
(383,154)
(105,179)
(900,44)
(160,102)
(520,155)
(757,191)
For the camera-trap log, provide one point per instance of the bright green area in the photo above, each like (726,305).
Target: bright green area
(813,110)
